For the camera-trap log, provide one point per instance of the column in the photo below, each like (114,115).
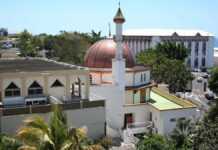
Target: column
(67,88)
(23,87)
(87,86)
(192,54)
(45,89)
(200,54)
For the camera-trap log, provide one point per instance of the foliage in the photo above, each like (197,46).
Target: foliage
(167,63)
(173,51)
(213,82)
(182,134)
(206,137)
(67,46)
(7,142)
(26,45)
(106,142)
(154,142)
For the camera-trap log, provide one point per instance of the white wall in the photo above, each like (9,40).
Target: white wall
(114,105)
(165,116)
(138,111)
(93,118)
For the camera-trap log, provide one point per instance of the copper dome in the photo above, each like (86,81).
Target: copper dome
(101,53)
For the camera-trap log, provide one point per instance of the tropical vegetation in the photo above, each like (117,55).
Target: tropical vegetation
(167,61)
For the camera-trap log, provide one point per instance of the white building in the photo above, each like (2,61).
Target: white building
(200,43)
(216,56)
(133,103)
(29,87)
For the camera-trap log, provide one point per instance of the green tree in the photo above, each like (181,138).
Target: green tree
(53,136)
(206,137)
(182,134)
(70,47)
(172,50)
(167,65)
(26,45)
(154,142)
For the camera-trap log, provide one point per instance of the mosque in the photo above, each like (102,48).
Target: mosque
(134,104)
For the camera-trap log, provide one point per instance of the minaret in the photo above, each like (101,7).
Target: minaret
(118,63)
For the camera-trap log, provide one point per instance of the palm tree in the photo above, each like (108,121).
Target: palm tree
(53,136)
(182,134)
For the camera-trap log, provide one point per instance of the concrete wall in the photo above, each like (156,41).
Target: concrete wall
(168,125)
(92,118)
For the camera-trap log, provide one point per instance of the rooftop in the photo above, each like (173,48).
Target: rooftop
(165,32)
(33,64)
(166,101)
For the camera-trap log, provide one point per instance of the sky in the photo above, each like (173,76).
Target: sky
(52,16)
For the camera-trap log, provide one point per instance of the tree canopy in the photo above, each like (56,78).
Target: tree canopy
(66,46)
(167,61)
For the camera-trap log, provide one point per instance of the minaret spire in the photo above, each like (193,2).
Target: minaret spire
(118,63)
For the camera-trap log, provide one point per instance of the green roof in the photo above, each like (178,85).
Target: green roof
(165,101)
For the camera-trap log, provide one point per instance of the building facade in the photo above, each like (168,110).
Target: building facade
(30,86)
(199,42)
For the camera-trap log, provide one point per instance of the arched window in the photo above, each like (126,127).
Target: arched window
(12,90)
(35,89)
(57,83)
(90,78)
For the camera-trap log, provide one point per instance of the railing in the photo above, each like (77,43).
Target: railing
(48,107)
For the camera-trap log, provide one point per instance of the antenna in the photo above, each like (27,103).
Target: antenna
(109,29)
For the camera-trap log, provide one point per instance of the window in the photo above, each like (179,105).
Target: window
(145,77)
(172,119)
(196,48)
(204,47)
(150,116)
(190,45)
(203,62)
(196,63)
(12,90)
(141,77)
(57,83)
(128,119)
(35,89)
